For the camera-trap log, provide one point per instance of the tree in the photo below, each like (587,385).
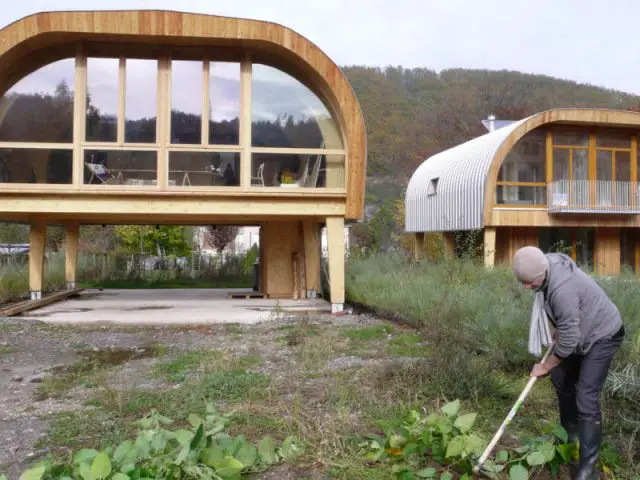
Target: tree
(219,236)
(149,239)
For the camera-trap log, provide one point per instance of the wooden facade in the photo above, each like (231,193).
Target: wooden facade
(225,155)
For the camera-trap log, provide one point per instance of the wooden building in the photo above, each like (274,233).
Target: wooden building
(161,117)
(564,179)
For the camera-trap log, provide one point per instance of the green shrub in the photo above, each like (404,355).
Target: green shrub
(204,450)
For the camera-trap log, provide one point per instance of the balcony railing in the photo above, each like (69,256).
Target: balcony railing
(585,196)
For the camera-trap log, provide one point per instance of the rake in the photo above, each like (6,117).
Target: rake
(507,421)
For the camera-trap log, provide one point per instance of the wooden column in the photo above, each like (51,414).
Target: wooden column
(281,241)
(71,255)
(489,246)
(449,244)
(37,237)
(311,236)
(419,246)
(335,244)
(607,251)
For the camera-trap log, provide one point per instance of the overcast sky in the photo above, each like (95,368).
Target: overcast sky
(590,41)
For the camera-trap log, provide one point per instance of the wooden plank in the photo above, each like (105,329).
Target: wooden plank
(237,295)
(28,305)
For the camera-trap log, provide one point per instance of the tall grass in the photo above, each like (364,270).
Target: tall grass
(484,311)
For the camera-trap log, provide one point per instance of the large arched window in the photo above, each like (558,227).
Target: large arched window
(168,123)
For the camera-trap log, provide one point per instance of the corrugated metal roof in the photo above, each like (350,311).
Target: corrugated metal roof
(458,176)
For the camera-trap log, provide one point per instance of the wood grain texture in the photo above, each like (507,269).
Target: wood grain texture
(607,251)
(568,116)
(540,218)
(39,39)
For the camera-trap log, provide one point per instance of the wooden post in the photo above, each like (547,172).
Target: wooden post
(489,246)
(311,237)
(37,237)
(335,244)
(294,262)
(449,245)
(71,255)
(607,251)
(419,250)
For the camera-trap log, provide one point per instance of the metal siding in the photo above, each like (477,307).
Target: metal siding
(462,171)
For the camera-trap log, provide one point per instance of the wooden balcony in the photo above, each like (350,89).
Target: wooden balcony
(585,196)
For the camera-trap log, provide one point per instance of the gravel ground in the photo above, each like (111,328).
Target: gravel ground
(29,349)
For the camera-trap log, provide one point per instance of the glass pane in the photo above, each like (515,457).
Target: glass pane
(623,166)
(570,137)
(604,164)
(31,165)
(204,169)
(556,240)
(39,108)
(612,139)
(141,101)
(224,103)
(580,164)
(285,113)
(186,102)
(120,167)
(102,99)
(291,170)
(560,164)
(584,238)
(628,248)
(526,160)
(520,195)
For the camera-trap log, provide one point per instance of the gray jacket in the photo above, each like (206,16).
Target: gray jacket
(580,310)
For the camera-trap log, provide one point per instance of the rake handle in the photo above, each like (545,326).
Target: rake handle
(507,421)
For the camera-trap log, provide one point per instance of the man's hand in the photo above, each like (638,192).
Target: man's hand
(539,370)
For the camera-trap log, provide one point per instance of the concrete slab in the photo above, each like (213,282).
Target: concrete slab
(169,307)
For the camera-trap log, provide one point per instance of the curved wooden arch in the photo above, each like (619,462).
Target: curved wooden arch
(42,38)
(569,116)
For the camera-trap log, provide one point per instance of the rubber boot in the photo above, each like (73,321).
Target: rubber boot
(590,432)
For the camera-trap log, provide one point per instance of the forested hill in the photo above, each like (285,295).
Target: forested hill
(413,113)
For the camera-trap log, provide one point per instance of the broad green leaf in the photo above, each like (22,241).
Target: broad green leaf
(427,473)
(536,458)
(561,433)
(198,436)
(101,466)
(518,472)
(474,444)
(182,456)
(451,408)
(266,450)
(290,447)
(120,476)
(548,451)
(466,476)
(455,447)
(212,456)
(413,417)
(183,437)
(446,476)
(397,441)
(142,447)
(465,422)
(85,471)
(194,420)
(409,448)
(85,455)
(565,450)
(230,467)
(164,420)
(159,442)
(502,456)
(248,454)
(34,473)
(144,423)
(125,450)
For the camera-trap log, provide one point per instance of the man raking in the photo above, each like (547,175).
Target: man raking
(588,333)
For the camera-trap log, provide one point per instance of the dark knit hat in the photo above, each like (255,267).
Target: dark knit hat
(530,264)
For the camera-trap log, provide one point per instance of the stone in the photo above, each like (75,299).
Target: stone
(17,378)
(36,379)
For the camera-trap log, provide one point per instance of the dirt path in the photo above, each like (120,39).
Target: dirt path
(40,362)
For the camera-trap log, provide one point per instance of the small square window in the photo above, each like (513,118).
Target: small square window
(433,186)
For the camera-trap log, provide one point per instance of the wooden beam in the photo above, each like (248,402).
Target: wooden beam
(311,238)
(71,254)
(79,118)
(163,122)
(245,122)
(489,246)
(27,305)
(122,100)
(335,244)
(37,238)
(206,107)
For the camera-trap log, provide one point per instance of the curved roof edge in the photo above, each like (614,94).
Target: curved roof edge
(446,191)
(452,190)
(27,43)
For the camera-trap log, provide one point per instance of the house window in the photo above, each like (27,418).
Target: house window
(432,189)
